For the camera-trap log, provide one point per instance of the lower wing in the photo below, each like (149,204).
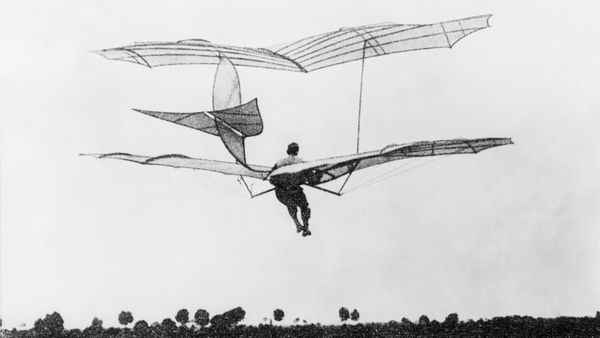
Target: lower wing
(325,170)
(182,161)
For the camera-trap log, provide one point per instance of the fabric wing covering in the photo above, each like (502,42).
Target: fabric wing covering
(182,161)
(312,53)
(244,118)
(226,86)
(326,170)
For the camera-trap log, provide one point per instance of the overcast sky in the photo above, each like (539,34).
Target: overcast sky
(512,230)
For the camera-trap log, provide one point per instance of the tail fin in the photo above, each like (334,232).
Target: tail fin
(232,125)
(235,124)
(229,119)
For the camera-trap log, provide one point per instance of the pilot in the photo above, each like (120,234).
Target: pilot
(289,192)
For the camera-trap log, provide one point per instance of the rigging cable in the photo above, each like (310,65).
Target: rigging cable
(200,178)
(390,174)
(362,72)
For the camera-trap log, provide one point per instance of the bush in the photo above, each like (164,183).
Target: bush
(95,329)
(182,316)
(354,315)
(141,328)
(278,315)
(96,322)
(51,326)
(344,314)
(451,320)
(202,317)
(168,327)
(125,317)
(228,318)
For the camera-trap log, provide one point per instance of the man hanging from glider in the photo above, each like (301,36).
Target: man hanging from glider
(233,121)
(289,192)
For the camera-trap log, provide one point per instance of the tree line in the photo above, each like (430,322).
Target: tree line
(228,324)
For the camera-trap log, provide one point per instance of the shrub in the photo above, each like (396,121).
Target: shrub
(51,326)
(141,328)
(278,315)
(168,326)
(344,314)
(125,317)
(202,317)
(228,318)
(451,320)
(182,316)
(354,315)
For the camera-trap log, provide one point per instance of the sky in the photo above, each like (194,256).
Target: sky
(511,230)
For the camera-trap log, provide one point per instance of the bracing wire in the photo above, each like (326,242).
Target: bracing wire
(198,176)
(394,169)
(390,174)
(362,72)
(393,172)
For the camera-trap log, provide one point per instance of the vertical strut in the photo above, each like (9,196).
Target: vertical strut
(348,177)
(362,71)
(252,194)
(246,185)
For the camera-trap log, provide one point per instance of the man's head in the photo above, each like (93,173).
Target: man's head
(293,149)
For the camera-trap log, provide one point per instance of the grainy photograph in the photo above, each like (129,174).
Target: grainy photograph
(299,168)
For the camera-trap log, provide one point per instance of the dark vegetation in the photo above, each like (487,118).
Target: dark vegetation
(227,324)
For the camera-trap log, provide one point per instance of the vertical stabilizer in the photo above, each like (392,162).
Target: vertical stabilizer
(227,94)
(226,86)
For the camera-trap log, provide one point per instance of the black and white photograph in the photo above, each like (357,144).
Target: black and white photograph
(299,168)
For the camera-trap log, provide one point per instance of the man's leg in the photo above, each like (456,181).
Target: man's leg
(293,211)
(283,197)
(300,199)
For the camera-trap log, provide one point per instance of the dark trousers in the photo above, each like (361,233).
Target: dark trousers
(293,198)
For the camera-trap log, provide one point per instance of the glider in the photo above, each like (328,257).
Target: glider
(233,121)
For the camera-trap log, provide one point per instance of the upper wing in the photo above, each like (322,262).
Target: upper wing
(315,52)
(182,161)
(325,170)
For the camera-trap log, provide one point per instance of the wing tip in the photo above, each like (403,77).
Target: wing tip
(131,56)
(90,155)
(101,52)
(489,16)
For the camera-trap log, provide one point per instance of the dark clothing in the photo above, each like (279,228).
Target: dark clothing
(289,192)
(292,197)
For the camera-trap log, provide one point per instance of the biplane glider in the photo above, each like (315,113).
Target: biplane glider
(232,121)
